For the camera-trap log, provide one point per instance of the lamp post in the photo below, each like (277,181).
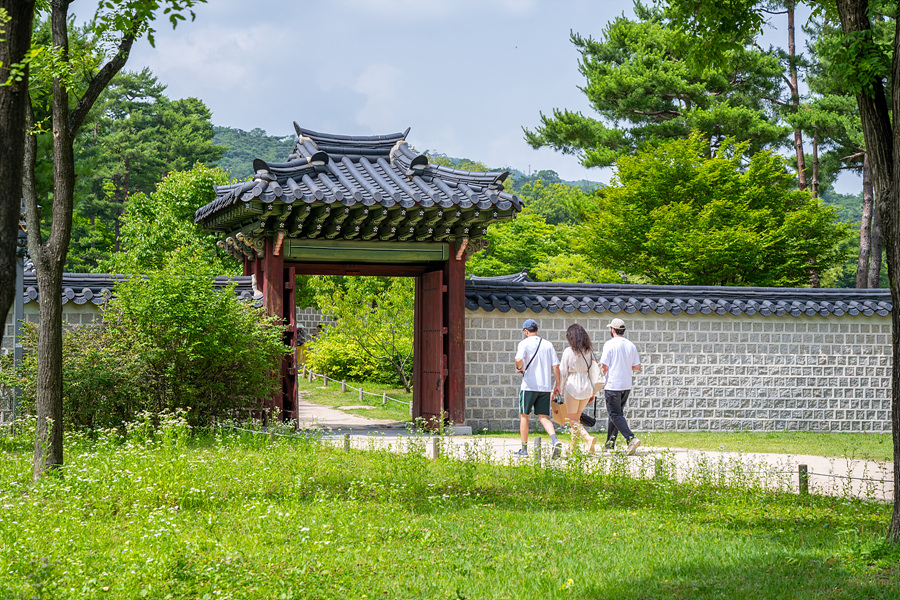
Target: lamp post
(19,306)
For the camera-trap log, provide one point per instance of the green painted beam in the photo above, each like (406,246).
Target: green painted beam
(364,252)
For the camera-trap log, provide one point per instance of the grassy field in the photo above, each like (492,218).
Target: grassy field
(243,515)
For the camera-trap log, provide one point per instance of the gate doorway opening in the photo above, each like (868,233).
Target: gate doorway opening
(366,206)
(438,331)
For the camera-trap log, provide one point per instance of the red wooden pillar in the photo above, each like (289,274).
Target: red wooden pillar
(289,382)
(270,279)
(429,360)
(455,340)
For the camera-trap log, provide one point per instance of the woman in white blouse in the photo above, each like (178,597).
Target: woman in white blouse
(576,382)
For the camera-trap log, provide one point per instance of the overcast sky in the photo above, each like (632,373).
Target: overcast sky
(464,75)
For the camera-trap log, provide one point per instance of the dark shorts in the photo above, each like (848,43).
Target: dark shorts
(537,401)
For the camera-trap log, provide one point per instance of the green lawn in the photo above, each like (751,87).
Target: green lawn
(240,516)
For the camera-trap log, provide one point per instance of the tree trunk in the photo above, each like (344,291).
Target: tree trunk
(795,97)
(814,280)
(48,443)
(865,228)
(815,167)
(13,100)
(49,259)
(881,146)
(877,245)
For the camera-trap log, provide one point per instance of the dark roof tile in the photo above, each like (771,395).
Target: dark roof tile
(97,288)
(367,170)
(599,298)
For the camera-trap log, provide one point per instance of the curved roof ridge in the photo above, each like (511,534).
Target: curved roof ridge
(338,140)
(601,297)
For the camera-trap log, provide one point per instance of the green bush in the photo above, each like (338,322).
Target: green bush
(102,379)
(338,356)
(168,342)
(203,349)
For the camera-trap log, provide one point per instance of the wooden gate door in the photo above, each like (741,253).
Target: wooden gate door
(430,368)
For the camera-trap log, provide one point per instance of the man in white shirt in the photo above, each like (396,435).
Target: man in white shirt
(536,359)
(618,361)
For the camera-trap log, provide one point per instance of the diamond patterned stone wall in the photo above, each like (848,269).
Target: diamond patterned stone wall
(708,372)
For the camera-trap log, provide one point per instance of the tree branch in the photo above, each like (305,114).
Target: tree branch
(656,113)
(99,82)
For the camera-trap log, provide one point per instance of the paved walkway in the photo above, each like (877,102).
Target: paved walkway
(832,476)
(318,416)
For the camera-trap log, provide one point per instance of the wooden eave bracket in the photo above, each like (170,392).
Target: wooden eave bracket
(462,248)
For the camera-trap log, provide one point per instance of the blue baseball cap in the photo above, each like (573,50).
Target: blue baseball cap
(530,324)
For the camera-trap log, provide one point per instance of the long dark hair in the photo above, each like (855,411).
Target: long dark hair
(578,339)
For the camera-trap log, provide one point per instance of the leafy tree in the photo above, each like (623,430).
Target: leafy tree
(643,89)
(529,243)
(540,240)
(73,87)
(241,147)
(863,61)
(676,215)
(463,164)
(139,135)
(374,314)
(161,224)
(833,115)
(573,268)
(556,202)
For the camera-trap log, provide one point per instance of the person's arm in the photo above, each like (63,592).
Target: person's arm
(604,369)
(520,357)
(636,368)
(555,379)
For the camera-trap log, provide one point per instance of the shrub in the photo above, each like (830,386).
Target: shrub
(203,350)
(168,342)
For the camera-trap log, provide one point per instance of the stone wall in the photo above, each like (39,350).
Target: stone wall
(707,372)
(700,372)
(73,314)
(309,318)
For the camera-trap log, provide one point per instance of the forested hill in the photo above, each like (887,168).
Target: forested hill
(243,146)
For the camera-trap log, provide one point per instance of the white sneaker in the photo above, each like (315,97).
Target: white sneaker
(632,446)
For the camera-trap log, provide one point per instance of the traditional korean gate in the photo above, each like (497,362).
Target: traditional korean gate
(366,206)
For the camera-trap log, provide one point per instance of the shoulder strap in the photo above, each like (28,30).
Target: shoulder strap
(532,356)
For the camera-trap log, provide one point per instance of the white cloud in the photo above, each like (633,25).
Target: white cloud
(382,86)
(465,75)
(210,58)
